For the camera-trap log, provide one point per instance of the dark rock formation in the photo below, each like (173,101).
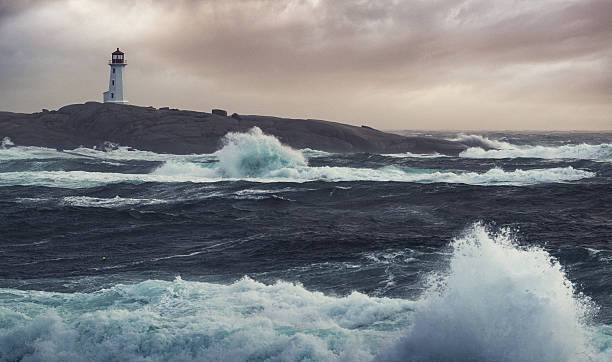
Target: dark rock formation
(368,127)
(219,112)
(182,132)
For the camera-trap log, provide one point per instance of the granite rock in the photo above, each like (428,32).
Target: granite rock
(183,132)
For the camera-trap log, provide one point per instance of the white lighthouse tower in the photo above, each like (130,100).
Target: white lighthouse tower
(115,93)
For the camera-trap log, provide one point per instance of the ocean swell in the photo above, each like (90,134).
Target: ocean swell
(195,173)
(257,157)
(494,301)
(494,176)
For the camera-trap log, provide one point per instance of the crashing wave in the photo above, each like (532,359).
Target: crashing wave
(192,321)
(478,141)
(254,154)
(258,157)
(287,167)
(581,151)
(498,302)
(483,147)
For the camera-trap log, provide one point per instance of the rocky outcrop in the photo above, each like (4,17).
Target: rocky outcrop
(177,131)
(219,112)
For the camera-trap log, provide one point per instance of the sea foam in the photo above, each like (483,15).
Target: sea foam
(484,147)
(115,202)
(491,300)
(262,158)
(498,302)
(257,157)
(478,141)
(191,321)
(254,154)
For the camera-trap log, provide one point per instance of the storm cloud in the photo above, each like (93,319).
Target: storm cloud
(436,64)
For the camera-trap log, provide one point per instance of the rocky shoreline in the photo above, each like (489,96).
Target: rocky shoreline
(167,130)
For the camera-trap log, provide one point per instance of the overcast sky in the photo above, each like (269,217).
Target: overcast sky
(392,64)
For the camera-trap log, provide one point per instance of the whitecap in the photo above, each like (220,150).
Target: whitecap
(501,150)
(257,157)
(499,302)
(114,202)
(191,321)
(172,172)
(481,141)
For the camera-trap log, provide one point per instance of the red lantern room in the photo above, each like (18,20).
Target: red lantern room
(117,57)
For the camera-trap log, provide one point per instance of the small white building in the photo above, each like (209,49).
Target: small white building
(116,92)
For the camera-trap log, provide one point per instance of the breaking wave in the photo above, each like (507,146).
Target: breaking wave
(10,151)
(499,302)
(259,157)
(191,172)
(254,154)
(474,140)
(192,321)
(494,176)
(482,147)
(30,152)
(495,302)
(117,201)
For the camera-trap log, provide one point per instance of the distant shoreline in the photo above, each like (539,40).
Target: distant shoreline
(167,130)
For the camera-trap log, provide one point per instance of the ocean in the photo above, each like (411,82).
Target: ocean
(260,252)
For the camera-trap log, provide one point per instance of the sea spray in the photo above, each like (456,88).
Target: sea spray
(254,154)
(497,302)
(478,141)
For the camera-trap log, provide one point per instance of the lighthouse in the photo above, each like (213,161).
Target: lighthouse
(115,93)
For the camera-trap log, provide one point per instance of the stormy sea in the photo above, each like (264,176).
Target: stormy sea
(260,252)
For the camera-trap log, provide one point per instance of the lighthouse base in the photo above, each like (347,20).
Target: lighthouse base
(109,97)
(118,102)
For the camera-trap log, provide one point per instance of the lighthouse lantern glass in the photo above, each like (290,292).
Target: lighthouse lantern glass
(117,57)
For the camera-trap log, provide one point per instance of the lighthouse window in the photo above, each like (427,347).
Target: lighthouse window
(112,95)
(113,70)
(113,81)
